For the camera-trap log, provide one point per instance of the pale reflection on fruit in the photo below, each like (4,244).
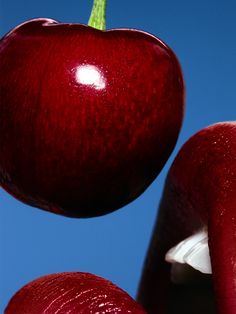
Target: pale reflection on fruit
(90,75)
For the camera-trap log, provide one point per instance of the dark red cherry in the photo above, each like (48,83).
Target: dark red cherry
(88,118)
(72,293)
(199,194)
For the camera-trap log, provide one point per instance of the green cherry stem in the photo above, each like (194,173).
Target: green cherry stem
(98,15)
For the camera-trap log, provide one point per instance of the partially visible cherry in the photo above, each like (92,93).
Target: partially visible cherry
(72,293)
(200,192)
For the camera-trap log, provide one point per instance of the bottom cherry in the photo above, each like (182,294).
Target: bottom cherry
(74,293)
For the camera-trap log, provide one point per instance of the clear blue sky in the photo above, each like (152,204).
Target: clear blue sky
(32,242)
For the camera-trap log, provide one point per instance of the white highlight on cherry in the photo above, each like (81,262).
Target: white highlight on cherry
(91,76)
(193,251)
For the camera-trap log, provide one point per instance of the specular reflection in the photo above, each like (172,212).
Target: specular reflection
(90,75)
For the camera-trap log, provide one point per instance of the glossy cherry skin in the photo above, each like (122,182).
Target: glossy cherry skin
(72,293)
(87,118)
(200,191)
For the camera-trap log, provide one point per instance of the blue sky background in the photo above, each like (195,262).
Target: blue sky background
(32,242)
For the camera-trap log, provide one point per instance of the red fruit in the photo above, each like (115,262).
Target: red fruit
(200,191)
(87,117)
(72,293)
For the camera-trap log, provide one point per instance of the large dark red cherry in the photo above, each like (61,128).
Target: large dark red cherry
(72,293)
(200,192)
(87,117)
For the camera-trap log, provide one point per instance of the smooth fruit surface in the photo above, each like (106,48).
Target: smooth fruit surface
(72,293)
(200,192)
(88,118)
